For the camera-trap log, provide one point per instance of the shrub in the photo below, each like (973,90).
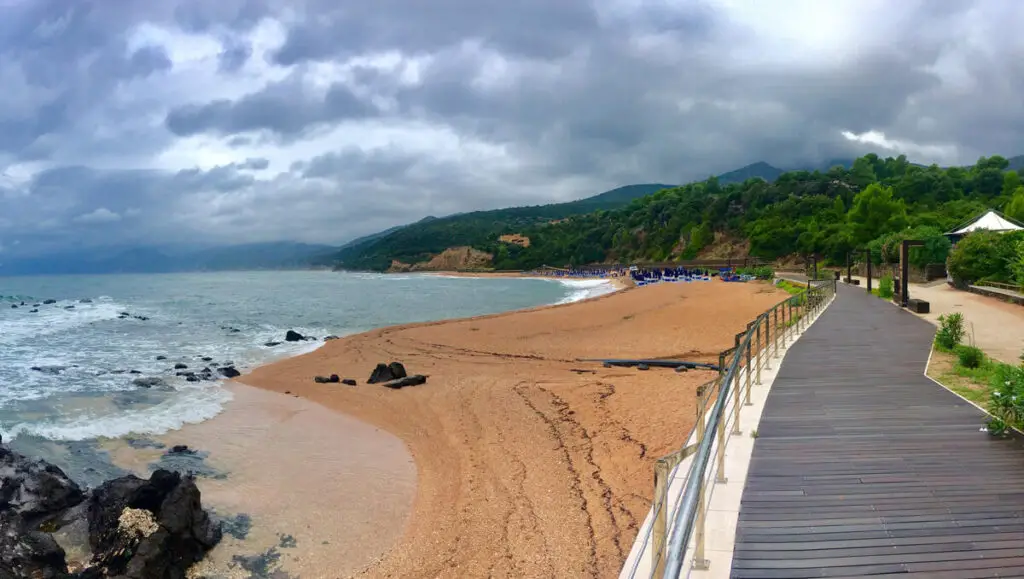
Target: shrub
(885,287)
(951,330)
(984,255)
(1007,402)
(970,356)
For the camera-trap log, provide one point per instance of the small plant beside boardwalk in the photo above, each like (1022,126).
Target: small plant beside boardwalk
(951,331)
(886,287)
(965,369)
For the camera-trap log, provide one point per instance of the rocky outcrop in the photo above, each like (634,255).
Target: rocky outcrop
(155,528)
(33,490)
(133,528)
(456,259)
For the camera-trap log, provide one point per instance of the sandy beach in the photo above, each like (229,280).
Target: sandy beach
(529,463)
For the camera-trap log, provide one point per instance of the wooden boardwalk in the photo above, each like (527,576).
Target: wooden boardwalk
(865,467)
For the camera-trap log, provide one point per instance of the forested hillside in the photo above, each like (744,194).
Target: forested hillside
(420,241)
(823,213)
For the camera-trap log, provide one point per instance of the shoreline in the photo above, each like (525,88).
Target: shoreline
(508,422)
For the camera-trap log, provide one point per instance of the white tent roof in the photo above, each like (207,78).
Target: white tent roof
(991,221)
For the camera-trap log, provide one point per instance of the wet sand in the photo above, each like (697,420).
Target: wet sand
(326,494)
(529,463)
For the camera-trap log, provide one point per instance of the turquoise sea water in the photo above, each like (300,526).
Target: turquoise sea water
(67,370)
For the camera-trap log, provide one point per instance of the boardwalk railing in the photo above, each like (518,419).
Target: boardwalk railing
(678,514)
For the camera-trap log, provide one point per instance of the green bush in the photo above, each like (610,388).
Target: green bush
(885,287)
(761,272)
(969,356)
(1007,402)
(984,255)
(951,330)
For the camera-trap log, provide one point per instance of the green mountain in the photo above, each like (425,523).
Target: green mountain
(826,213)
(759,170)
(419,241)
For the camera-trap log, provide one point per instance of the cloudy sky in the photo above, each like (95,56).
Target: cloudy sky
(228,121)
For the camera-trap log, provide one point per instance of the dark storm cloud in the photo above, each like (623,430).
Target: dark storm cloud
(533,28)
(284,108)
(529,102)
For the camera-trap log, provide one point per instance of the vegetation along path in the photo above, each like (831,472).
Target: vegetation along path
(863,466)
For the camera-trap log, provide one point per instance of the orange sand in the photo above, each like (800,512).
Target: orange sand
(527,468)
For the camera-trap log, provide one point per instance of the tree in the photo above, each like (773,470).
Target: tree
(863,172)
(874,212)
(1015,206)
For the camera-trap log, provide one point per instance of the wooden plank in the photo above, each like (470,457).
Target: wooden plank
(863,466)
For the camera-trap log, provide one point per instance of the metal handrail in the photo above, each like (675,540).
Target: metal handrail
(997,284)
(690,508)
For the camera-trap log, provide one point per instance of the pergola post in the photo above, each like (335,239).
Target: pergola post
(905,269)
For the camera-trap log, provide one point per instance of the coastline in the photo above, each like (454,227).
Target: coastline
(527,462)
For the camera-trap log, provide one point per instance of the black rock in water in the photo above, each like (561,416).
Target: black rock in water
(164,534)
(14,306)
(180,366)
(293,336)
(206,359)
(152,382)
(49,369)
(414,380)
(329,338)
(48,302)
(181,449)
(271,344)
(161,357)
(34,490)
(29,553)
(33,311)
(229,372)
(85,301)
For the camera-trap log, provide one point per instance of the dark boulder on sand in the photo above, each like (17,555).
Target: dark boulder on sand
(332,379)
(414,380)
(348,382)
(293,336)
(387,372)
(229,372)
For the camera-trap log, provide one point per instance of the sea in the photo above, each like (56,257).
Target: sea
(70,368)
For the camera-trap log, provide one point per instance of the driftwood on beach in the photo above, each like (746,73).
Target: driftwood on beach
(652,363)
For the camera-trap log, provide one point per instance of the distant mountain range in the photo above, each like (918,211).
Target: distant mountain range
(253,256)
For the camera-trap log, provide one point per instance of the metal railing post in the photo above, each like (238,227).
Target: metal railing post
(760,354)
(699,562)
(749,370)
(661,483)
(736,393)
(775,330)
(720,478)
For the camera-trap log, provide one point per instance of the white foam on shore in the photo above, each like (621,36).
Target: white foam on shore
(186,407)
(584,289)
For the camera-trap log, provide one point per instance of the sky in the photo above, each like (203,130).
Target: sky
(129,122)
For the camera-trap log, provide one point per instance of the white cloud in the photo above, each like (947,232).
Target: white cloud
(100,215)
(940,153)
